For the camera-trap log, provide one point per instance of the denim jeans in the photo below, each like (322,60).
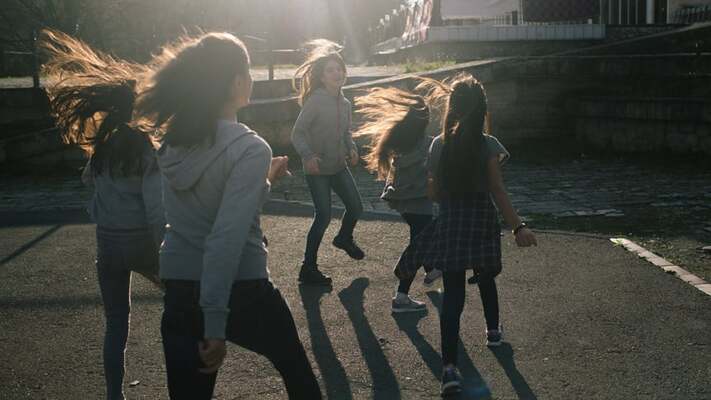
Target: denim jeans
(417,223)
(118,252)
(259,320)
(453,304)
(320,187)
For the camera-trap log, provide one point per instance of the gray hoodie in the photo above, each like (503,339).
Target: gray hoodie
(127,202)
(323,130)
(406,185)
(212,196)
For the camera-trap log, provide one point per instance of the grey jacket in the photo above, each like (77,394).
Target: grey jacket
(406,185)
(131,202)
(323,130)
(213,195)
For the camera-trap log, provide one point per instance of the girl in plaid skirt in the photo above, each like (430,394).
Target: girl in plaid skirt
(396,121)
(465,176)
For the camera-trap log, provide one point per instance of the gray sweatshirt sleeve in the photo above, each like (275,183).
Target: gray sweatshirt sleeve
(241,201)
(301,129)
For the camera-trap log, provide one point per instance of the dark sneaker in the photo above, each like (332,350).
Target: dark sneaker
(495,337)
(431,277)
(310,275)
(451,382)
(350,247)
(407,305)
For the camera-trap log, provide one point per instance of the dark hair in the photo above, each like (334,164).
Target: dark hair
(462,166)
(321,51)
(191,83)
(92,96)
(395,120)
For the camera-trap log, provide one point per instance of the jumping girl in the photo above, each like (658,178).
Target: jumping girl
(216,175)
(465,178)
(396,121)
(322,138)
(92,97)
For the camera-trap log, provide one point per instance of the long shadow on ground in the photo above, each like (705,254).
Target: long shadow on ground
(385,384)
(334,375)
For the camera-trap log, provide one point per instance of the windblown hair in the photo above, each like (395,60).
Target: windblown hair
(92,96)
(462,167)
(192,82)
(395,121)
(320,52)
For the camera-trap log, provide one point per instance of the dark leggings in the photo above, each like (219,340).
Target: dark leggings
(453,305)
(417,223)
(259,320)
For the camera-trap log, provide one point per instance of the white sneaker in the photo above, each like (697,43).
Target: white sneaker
(431,277)
(407,304)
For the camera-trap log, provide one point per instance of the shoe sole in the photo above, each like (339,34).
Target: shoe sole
(494,344)
(430,283)
(406,310)
(451,388)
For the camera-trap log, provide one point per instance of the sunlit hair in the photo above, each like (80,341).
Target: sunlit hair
(308,76)
(92,96)
(462,169)
(395,120)
(192,82)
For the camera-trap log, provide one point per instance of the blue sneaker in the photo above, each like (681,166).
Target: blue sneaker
(451,382)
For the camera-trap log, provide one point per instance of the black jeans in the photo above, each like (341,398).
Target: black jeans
(453,305)
(417,223)
(259,320)
(320,187)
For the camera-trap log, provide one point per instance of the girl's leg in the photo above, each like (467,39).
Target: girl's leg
(417,223)
(182,330)
(115,286)
(452,307)
(490,302)
(320,188)
(260,320)
(345,187)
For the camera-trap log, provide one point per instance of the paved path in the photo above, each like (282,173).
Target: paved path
(584,319)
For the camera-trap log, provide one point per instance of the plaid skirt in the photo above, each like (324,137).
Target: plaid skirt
(465,235)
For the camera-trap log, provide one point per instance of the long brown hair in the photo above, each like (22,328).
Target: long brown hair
(192,81)
(395,120)
(462,167)
(92,96)
(320,52)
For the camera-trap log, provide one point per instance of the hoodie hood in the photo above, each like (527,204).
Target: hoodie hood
(183,167)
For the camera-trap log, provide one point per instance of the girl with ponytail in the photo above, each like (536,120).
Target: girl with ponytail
(465,178)
(396,121)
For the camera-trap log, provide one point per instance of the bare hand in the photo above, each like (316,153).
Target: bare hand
(212,353)
(312,166)
(353,159)
(526,238)
(279,168)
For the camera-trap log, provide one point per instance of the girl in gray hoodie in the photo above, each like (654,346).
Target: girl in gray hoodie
(396,122)
(92,97)
(322,137)
(216,175)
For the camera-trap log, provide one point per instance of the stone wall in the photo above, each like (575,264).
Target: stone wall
(637,125)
